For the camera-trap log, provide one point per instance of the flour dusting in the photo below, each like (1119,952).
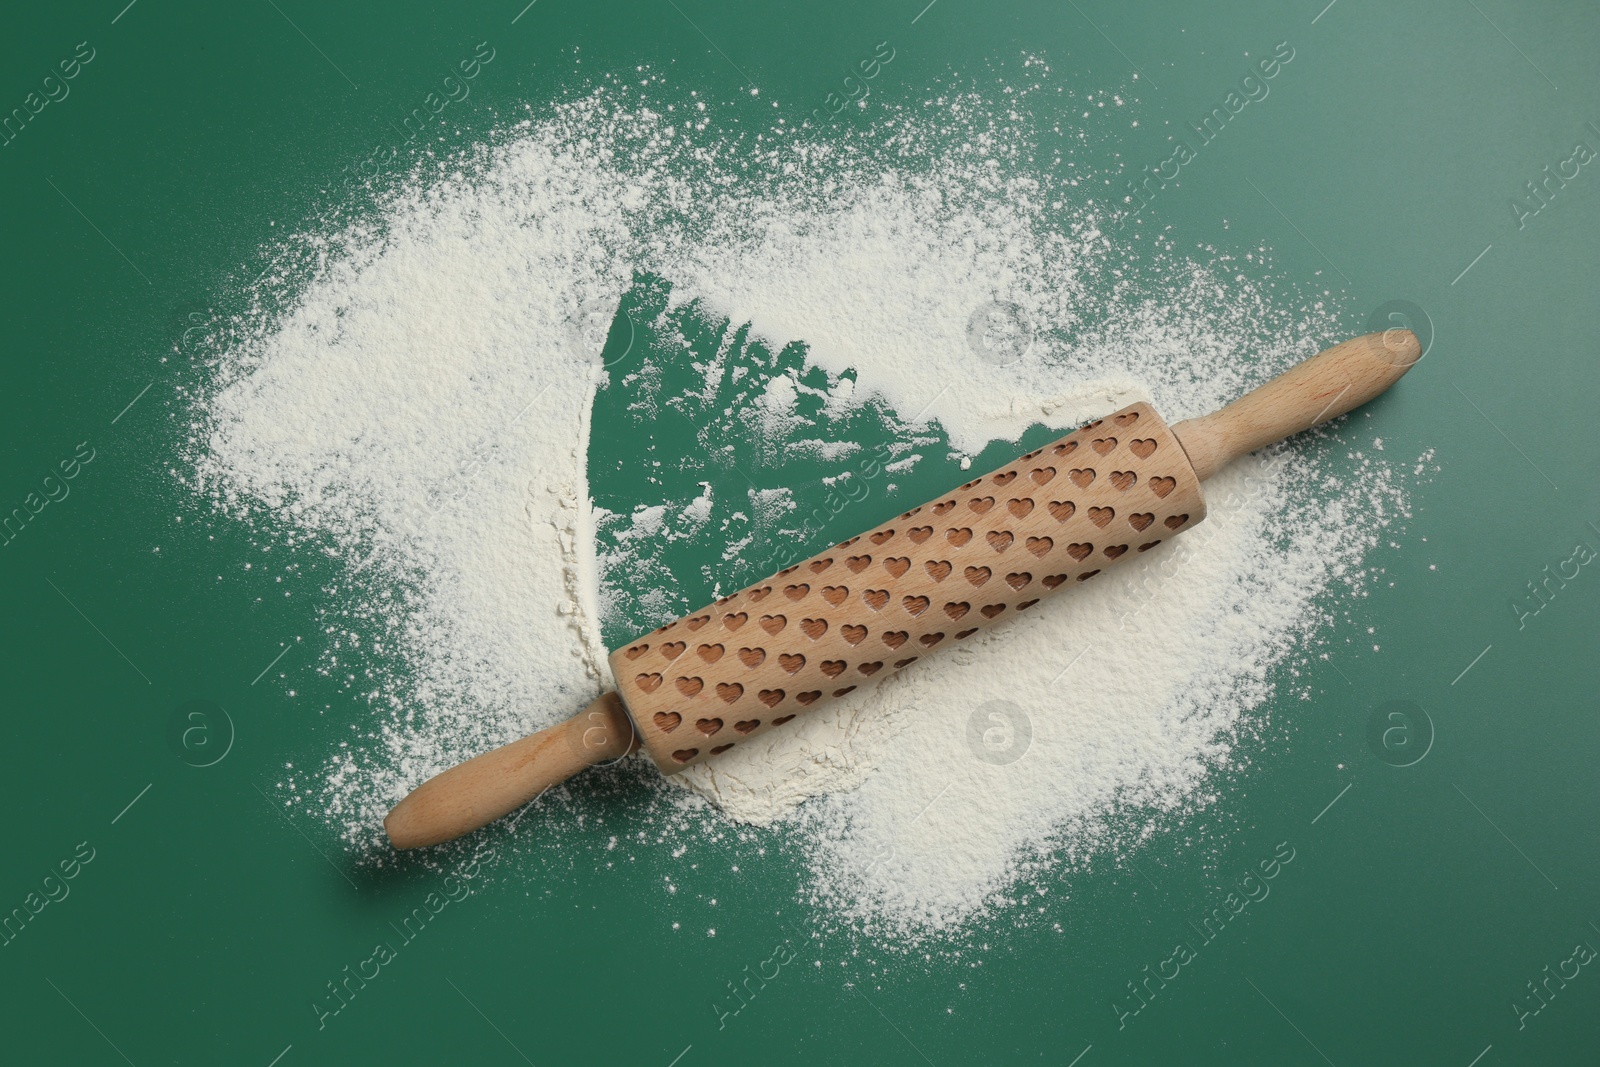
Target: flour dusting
(413,395)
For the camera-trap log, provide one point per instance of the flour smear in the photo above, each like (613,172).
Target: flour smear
(412,393)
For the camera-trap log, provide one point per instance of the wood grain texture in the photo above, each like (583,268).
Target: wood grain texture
(1327,385)
(487,787)
(868,607)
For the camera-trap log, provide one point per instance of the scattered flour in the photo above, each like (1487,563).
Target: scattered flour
(412,397)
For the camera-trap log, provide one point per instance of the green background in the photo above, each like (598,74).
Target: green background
(1417,906)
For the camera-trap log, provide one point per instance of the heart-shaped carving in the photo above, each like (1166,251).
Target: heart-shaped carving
(820,565)
(689,686)
(876,598)
(1065,448)
(977,575)
(1053,580)
(991,610)
(729,691)
(846,689)
(1035,454)
(648,682)
(770,697)
(796,592)
(717,750)
(1040,545)
(1019,506)
(1005,478)
(944,507)
(962,635)
(673,649)
(808,698)
(869,669)
(835,594)
(736,620)
(710,653)
(833,667)
(667,721)
(1042,475)
(753,657)
(1102,517)
(773,623)
(1062,509)
(813,628)
(758,595)
(897,565)
(747,725)
(684,755)
(937,569)
(999,540)
(791,662)
(1114,551)
(1163,486)
(1127,418)
(1104,445)
(1148,545)
(1124,480)
(697,622)
(915,605)
(919,534)
(1086,575)
(1140,519)
(958,537)
(1079,551)
(636,651)
(781,719)
(1081,477)
(895,638)
(957,609)
(852,633)
(1018,579)
(902,664)
(912,512)
(858,563)
(881,536)
(1175,521)
(1026,604)
(1144,448)
(708,726)
(929,640)
(980,504)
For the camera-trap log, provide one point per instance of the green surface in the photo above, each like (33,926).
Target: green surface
(1416,909)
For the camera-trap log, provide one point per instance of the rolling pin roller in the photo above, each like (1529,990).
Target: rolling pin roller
(877,603)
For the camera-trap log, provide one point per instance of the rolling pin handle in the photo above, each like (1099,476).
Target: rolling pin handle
(493,785)
(1308,394)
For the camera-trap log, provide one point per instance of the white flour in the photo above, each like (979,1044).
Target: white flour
(420,412)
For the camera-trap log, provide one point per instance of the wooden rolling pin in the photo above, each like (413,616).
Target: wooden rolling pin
(875,604)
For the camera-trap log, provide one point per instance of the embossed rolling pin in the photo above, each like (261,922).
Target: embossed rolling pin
(875,604)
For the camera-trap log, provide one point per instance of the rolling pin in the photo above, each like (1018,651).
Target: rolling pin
(871,606)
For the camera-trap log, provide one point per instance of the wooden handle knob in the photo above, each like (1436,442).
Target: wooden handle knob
(496,783)
(1325,386)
